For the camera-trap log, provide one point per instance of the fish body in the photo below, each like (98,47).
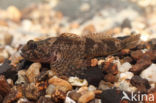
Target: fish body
(69,53)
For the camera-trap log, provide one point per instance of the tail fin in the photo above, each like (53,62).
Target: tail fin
(131,41)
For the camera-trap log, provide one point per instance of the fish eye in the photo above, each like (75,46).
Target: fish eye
(31,44)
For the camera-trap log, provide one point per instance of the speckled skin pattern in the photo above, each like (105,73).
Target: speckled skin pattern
(68,54)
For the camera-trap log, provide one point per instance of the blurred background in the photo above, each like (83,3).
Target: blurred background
(22,20)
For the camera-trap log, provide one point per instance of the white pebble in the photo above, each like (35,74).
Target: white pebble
(149,73)
(125,67)
(75,81)
(126,75)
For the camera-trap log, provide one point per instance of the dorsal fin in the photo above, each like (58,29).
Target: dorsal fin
(97,36)
(70,35)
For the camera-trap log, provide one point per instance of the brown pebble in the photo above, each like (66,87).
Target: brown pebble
(2,58)
(109,67)
(141,64)
(126,59)
(14,13)
(140,83)
(86,97)
(31,91)
(60,84)
(94,62)
(43,99)
(89,29)
(59,15)
(33,71)
(4,86)
(58,96)
(14,94)
(110,78)
(74,95)
(137,54)
(8,39)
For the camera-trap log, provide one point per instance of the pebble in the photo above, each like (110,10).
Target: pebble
(43,99)
(33,71)
(23,100)
(86,97)
(125,67)
(74,95)
(60,84)
(13,13)
(75,81)
(10,82)
(50,89)
(8,39)
(125,75)
(125,85)
(4,86)
(149,73)
(89,29)
(69,100)
(137,54)
(110,78)
(31,92)
(22,79)
(140,83)
(105,85)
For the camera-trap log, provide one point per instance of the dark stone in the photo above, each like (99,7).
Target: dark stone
(126,23)
(93,75)
(111,96)
(140,83)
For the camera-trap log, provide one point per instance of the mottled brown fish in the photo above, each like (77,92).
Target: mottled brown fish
(69,53)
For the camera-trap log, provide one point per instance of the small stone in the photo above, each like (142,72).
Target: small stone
(125,67)
(13,13)
(74,95)
(58,96)
(96,101)
(105,85)
(137,54)
(111,96)
(23,100)
(60,84)
(126,59)
(110,78)
(141,84)
(10,82)
(14,94)
(69,100)
(74,25)
(4,86)
(8,39)
(125,85)
(43,99)
(85,7)
(94,62)
(125,76)
(141,64)
(149,73)
(22,78)
(31,91)
(110,67)
(126,23)
(75,81)
(59,15)
(33,71)
(89,29)
(50,89)
(2,58)
(86,97)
